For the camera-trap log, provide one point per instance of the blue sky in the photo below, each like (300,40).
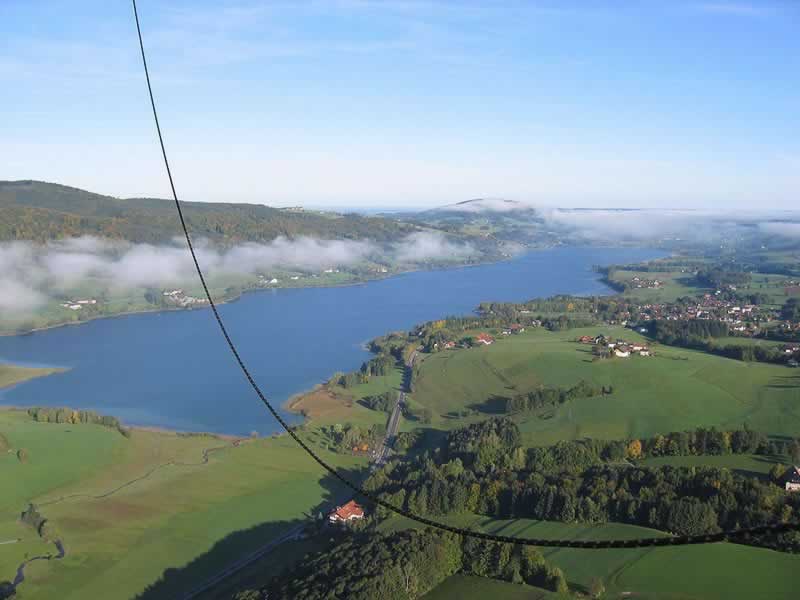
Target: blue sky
(403,102)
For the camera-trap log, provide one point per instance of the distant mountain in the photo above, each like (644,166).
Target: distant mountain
(40,211)
(499,219)
(485,205)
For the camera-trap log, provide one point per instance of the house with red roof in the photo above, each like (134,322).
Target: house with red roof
(346,513)
(485,339)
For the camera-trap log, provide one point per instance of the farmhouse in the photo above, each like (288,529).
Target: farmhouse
(791,479)
(346,513)
(485,339)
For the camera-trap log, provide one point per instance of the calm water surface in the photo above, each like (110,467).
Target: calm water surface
(174,370)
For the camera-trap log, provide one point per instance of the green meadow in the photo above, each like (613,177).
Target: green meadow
(674,390)
(708,572)
(127,509)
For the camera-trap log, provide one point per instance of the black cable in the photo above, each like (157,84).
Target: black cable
(739,534)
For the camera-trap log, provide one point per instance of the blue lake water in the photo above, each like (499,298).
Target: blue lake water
(174,370)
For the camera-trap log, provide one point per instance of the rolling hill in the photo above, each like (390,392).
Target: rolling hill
(40,211)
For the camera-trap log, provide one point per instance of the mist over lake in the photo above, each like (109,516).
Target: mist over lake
(174,370)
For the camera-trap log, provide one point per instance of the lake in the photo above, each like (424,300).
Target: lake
(174,370)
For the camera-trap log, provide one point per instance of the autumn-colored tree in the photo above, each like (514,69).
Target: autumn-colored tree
(634,449)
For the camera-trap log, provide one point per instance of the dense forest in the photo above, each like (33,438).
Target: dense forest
(33,210)
(483,469)
(405,564)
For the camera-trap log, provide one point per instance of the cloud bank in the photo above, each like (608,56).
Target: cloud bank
(32,274)
(781,229)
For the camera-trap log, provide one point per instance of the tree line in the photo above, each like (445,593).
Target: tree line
(68,415)
(699,334)
(553,396)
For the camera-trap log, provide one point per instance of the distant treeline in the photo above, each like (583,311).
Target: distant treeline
(68,415)
(406,564)
(483,469)
(43,211)
(699,334)
(553,396)
(718,277)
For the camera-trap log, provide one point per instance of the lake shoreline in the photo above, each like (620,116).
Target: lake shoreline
(242,293)
(343,347)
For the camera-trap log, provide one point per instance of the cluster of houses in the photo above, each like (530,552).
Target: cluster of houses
(619,348)
(79,304)
(179,298)
(639,283)
(744,319)
(265,280)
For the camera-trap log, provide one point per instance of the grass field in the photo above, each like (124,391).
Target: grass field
(180,515)
(751,465)
(12,374)
(674,284)
(709,572)
(464,587)
(675,390)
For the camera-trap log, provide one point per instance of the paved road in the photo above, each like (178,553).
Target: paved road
(394,418)
(294,532)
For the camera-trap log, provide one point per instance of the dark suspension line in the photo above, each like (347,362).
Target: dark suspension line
(734,534)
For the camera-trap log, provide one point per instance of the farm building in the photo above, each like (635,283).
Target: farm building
(791,479)
(346,513)
(484,338)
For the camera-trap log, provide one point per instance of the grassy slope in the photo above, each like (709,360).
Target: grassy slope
(710,572)
(119,545)
(477,588)
(676,390)
(11,374)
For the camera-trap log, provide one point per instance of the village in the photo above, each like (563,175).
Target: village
(79,304)
(179,298)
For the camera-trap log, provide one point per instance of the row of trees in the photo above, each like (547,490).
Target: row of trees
(576,455)
(717,277)
(74,417)
(406,564)
(552,396)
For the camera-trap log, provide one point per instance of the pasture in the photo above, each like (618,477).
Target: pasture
(675,390)
(710,572)
(127,509)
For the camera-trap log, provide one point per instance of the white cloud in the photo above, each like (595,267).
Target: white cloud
(426,246)
(30,274)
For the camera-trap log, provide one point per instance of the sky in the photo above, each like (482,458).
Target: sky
(386,104)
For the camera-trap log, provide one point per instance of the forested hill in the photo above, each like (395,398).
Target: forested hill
(35,210)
